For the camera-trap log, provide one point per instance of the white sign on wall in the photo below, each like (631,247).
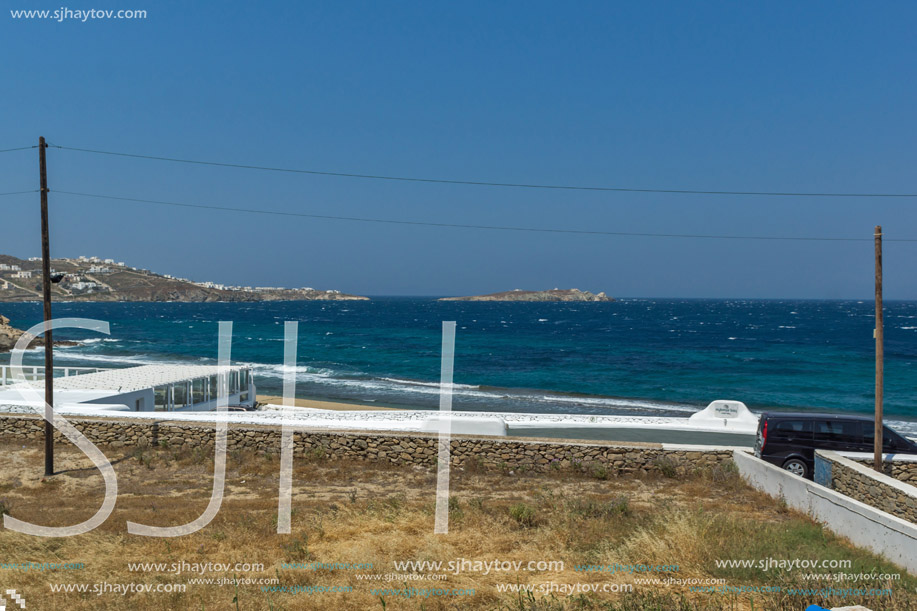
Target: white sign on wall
(722,409)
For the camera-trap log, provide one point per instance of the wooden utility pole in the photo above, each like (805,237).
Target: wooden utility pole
(877,461)
(46,290)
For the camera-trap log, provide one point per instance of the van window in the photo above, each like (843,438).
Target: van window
(793,429)
(838,431)
(890,439)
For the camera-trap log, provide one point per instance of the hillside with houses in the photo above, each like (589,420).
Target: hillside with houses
(96,279)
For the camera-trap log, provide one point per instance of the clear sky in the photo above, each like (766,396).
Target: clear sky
(776,96)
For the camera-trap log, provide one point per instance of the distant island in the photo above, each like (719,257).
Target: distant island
(95,279)
(551,295)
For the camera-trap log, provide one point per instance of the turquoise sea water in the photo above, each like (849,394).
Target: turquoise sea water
(634,356)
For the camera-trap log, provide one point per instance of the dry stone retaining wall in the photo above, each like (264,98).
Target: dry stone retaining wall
(875,489)
(900,470)
(494,453)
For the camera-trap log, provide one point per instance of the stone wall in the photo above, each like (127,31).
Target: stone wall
(865,485)
(599,459)
(904,471)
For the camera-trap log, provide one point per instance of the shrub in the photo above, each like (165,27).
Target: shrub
(297,548)
(523,514)
(666,466)
(455,508)
(599,470)
(618,506)
(316,453)
(726,474)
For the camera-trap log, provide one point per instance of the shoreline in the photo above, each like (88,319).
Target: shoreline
(337,406)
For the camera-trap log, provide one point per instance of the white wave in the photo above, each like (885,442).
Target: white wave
(39,349)
(379,385)
(613,402)
(431,384)
(280,371)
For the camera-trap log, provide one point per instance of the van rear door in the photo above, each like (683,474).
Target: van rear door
(759,440)
(788,438)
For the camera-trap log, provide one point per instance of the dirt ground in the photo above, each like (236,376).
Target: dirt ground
(353,524)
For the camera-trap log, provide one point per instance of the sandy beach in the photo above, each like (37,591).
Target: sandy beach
(332,405)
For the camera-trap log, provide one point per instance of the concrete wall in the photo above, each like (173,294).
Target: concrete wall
(863,484)
(149,401)
(129,399)
(865,526)
(600,459)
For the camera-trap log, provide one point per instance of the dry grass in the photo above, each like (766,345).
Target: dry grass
(361,513)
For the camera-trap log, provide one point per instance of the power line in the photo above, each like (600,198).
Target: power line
(469,226)
(20,192)
(21,148)
(482,183)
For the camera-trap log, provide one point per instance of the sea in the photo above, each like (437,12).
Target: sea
(658,357)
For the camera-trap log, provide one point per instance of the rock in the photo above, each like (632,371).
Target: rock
(551,295)
(8,335)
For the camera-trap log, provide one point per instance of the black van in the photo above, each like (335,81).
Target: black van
(790,440)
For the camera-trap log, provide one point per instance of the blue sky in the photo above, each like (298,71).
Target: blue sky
(788,96)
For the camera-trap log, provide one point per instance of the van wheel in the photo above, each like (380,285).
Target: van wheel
(796,467)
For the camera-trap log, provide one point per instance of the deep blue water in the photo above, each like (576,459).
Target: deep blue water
(631,356)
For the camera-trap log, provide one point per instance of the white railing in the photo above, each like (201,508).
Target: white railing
(36,373)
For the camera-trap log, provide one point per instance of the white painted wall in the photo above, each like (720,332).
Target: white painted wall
(129,399)
(865,526)
(466,425)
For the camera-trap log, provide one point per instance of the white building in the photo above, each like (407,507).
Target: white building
(96,269)
(147,388)
(4,285)
(4,267)
(85,286)
(22,274)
